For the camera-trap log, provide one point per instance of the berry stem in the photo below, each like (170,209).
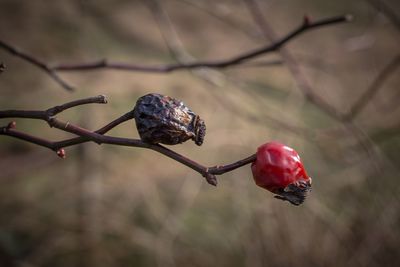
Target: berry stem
(218,170)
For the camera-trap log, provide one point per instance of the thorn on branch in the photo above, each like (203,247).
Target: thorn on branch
(61,153)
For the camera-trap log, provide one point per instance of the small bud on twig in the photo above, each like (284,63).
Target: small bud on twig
(103,99)
(12,125)
(349,17)
(61,153)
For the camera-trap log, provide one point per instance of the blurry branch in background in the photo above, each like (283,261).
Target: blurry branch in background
(184,62)
(235,60)
(171,39)
(36,62)
(222,16)
(292,64)
(374,87)
(302,81)
(179,53)
(98,136)
(166,68)
(346,118)
(388,11)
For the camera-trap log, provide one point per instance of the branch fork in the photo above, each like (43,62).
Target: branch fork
(53,69)
(99,137)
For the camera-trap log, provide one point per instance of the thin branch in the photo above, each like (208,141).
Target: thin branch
(178,52)
(238,59)
(374,87)
(303,82)
(103,130)
(100,99)
(30,114)
(85,135)
(166,68)
(46,114)
(7,130)
(306,87)
(36,62)
(292,64)
(230,167)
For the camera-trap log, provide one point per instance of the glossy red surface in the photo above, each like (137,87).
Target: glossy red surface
(276,166)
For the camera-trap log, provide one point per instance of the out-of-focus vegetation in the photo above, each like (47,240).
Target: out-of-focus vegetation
(116,206)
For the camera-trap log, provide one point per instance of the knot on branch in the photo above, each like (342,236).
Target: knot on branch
(210,178)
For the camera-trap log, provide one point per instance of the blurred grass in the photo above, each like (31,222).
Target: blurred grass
(112,206)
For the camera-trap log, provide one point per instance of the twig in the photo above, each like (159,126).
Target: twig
(47,114)
(98,136)
(36,62)
(166,68)
(170,36)
(307,89)
(178,52)
(374,87)
(241,58)
(213,12)
(305,85)
(292,64)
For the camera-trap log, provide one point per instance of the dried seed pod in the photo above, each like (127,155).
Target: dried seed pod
(163,119)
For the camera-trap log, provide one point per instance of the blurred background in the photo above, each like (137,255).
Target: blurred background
(119,206)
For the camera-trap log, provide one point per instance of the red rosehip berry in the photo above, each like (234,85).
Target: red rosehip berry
(278,168)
